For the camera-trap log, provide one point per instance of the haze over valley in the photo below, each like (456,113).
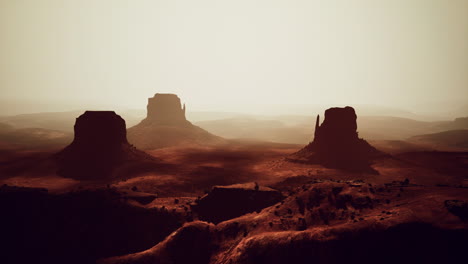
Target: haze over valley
(233,132)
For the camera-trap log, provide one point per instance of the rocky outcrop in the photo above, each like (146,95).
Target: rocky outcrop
(458,208)
(100,145)
(226,202)
(165,125)
(165,109)
(100,129)
(193,243)
(336,143)
(339,122)
(328,222)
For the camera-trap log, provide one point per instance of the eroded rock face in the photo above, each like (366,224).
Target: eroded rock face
(99,146)
(226,202)
(100,129)
(165,109)
(328,222)
(337,144)
(339,123)
(166,126)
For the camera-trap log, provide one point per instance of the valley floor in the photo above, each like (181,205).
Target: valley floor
(414,206)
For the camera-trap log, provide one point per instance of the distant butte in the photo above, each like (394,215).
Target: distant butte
(99,146)
(165,109)
(336,143)
(166,125)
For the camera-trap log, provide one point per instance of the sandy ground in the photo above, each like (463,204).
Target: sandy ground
(195,169)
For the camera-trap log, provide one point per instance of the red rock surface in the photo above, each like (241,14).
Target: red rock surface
(327,222)
(226,202)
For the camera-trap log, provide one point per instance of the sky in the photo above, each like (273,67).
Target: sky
(244,55)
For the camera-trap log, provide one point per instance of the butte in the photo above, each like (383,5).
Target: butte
(165,125)
(99,148)
(337,145)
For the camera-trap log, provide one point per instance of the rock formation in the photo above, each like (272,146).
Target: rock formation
(99,146)
(165,109)
(329,222)
(336,143)
(165,125)
(100,129)
(226,202)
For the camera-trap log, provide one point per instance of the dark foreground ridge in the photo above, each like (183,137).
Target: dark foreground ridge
(76,227)
(100,145)
(326,222)
(165,125)
(337,144)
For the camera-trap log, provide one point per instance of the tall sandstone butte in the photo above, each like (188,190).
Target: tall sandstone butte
(100,145)
(165,125)
(336,143)
(165,109)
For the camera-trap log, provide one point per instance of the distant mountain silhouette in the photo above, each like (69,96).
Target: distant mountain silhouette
(447,139)
(166,125)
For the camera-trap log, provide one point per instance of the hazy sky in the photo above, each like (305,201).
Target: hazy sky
(233,55)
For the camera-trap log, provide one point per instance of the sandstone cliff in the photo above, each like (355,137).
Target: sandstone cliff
(166,126)
(99,147)
(336,143)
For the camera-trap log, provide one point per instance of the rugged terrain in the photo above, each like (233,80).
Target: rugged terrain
(242,201)
(329,222)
